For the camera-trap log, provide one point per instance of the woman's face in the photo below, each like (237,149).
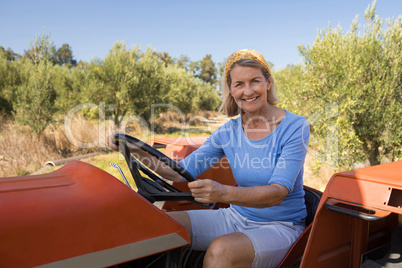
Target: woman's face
(249,88)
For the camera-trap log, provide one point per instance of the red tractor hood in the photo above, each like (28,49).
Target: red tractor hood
(79,216)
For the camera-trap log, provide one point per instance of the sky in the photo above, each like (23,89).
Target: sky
(275,28)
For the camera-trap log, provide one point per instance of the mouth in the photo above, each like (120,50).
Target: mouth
(251,99)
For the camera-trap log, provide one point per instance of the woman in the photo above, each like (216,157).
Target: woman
(265,147)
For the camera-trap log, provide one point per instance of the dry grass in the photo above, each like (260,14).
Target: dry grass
(173,119)
(314,177)
(81,137)
(23,151)
(200,124)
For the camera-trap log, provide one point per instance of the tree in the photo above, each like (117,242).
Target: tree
(356,80)
(12,74)
(207,98)
(189,94)
(5,104)
(181,89)
(9,54)
(41,49)
(183,62)
(64,56)
(290,81)
(165,58)
(112,79)
(70,85)
(127,81)
(34,98)
(205,70)
(149,87)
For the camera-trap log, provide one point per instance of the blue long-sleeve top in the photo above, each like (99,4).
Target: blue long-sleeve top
(277,158)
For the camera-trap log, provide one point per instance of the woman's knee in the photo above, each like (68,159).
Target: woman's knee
(233,250)
(218,247)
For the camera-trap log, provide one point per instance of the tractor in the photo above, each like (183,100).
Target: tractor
(81,216)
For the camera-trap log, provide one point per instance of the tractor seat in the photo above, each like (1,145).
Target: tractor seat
(312,198)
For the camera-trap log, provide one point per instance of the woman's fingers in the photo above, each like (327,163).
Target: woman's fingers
(206,191)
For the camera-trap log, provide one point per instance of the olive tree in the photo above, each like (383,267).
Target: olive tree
(188,93)
(34,98)
(354,81)
(127,81)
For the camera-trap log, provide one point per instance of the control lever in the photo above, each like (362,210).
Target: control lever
(121,172)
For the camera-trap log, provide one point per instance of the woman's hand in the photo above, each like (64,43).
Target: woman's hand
(148,160)
(110,143)
(131,147)
(207,191)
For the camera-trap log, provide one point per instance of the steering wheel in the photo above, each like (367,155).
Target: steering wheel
(154,188)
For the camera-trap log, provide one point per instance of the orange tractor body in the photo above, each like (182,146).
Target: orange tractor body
(81,216)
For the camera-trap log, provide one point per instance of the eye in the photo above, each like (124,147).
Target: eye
(237,84)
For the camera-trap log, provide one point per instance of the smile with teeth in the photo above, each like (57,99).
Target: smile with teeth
(252,99)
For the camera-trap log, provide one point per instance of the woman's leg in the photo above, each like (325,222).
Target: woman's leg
(203,225)
(231,250)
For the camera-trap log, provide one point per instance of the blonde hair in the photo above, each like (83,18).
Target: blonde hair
(229,107)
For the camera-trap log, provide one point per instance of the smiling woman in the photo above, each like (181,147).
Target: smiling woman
(249,88)
(267,211)
(265,147)
(250,91)
(252,60)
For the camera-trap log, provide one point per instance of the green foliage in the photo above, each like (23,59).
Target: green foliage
(127,81)
(290,82)
(190,94)
(207,98)
(183,62)
(113,79)
(34,98)
(182,89)
(12,74)
(5,73)
(70,85)
(353,91)
(47,84)
(64,56)
(137,83)
(9,54)
(150,85)
(41,49)
(205,70)
(165,58)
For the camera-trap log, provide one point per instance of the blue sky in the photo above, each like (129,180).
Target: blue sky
(195,28)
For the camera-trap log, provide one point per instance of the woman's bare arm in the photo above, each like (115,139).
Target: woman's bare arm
(208,191)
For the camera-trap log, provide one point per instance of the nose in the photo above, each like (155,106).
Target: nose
(248,90)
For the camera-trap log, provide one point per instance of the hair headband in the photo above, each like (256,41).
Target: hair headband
(245,54)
